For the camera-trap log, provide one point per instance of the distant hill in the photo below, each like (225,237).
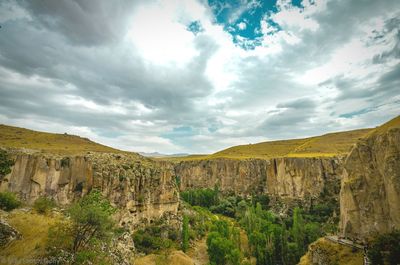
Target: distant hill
(327,145)
(158,155)
(15,137)
(393,123)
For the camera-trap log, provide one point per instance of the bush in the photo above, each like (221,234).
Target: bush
(385,249)
(8,201)
(225,207)
(5,164)
(150,240)
(43,205)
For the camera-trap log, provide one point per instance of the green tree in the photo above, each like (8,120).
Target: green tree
(91,220)
(298,231)
(185,233)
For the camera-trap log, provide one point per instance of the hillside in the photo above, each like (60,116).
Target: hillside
(14,137)
(327,145)
(393,123)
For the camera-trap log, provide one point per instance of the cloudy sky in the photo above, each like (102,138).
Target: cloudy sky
(198,76)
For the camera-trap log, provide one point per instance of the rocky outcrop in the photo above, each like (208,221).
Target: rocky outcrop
(325,252)
(297,178)
(144,189)
(7,233)
(370,192)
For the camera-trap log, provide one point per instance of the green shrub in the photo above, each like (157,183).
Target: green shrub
(43,205)
(5,164)
(385,249)
(149,240)
(8,201)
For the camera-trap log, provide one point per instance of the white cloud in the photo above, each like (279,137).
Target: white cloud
(242,25)
(159,32)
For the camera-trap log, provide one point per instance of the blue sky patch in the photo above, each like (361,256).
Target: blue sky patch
(179,132)
(298,3)
(242,19)
(195,27)
(355,113)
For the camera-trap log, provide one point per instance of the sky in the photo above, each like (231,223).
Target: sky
(196,76)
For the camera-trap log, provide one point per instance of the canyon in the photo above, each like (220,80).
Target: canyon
(364,181)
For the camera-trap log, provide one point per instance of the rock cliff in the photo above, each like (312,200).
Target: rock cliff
(325,252)
(370,187)
(142,188)
(296,178)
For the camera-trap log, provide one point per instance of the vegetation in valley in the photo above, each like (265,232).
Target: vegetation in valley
(223,243)
(156,237)
(272,239)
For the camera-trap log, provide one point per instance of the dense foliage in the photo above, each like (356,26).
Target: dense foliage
(223,244)
(272,239)
(385,247)
(155,237)
(9,201)
(201,197)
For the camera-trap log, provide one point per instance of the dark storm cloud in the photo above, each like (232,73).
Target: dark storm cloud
(83,22)
(101,74)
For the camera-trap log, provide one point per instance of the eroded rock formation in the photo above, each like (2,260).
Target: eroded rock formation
(296,178)
(144,189)
(370,192)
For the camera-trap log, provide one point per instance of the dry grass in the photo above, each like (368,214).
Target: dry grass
(34,229)
(333,253)
(172,258)
(14,137)
(393,123)
(328,145)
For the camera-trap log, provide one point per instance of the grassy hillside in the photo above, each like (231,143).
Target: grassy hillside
(393,123)
(14,137)
(328,145)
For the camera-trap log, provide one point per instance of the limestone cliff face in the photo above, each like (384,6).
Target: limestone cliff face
(142,188)
(231,176)
(282,177)
(370,193)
